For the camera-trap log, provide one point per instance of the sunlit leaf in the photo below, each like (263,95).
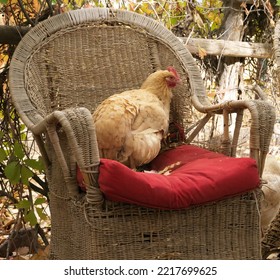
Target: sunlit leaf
(183,4)
(79,3)
(146,8)
(211,16)
(173,20)
(23,136)
(22,127)
(218,20)
(12,172)
(214,26)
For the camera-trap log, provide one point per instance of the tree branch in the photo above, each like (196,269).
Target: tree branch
(228,48)
(12,34)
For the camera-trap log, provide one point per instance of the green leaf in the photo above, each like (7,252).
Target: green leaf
(26,174)
(39,200)
(3,154)
(41,164)
(35,164)
(41,214)
(4,1)
(173,20)
(12,172)
(31,218)
(18,150)
(23,136)
(22,127)
(23,204)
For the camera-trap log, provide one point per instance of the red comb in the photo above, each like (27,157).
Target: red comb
(173,70)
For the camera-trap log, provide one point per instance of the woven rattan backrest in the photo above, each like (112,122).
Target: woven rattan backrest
(80,58)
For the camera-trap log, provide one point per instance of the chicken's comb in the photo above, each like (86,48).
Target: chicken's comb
(173,70)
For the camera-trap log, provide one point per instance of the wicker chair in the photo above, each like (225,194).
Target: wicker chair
(62,69)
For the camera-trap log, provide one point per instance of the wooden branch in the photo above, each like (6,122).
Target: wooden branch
(12,34)
(228,48)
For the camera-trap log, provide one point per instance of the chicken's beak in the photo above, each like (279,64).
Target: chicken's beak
(179,81)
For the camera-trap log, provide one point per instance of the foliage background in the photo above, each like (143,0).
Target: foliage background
(23,187)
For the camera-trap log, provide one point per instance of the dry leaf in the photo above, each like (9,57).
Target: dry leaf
(42,254)
(244,6)
(211,94)
(201,52)
(268,6)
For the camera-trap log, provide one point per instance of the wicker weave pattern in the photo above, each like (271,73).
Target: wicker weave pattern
(60,72)
(62,88)
(129,232)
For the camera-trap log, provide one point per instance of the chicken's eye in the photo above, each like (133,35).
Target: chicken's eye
(171,81)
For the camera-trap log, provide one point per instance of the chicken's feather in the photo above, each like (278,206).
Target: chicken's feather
(131,124)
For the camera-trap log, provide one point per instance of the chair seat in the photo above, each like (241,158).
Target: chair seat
(194,176)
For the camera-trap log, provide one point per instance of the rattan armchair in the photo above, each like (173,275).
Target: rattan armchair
(61,70)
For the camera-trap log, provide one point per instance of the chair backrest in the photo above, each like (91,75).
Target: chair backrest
(79,58)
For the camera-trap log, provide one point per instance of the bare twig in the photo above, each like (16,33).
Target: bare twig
(30,21)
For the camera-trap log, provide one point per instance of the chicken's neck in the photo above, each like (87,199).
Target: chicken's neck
(163,92)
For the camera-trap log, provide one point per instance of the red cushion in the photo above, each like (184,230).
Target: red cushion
(183,154)
(202,176)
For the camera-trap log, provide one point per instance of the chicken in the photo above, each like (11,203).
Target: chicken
(271,203)
(130,125)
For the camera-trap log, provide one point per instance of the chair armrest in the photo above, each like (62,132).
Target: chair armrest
(262,124)
(79,129)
